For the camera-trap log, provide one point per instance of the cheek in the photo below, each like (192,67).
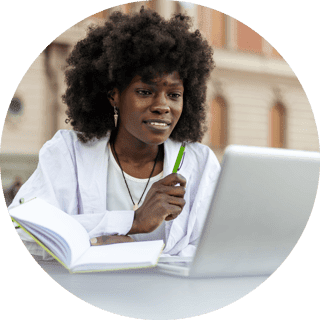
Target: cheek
(131,120)
(178,112)
(127,113)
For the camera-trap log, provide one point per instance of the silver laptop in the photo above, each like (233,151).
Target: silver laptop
(261,205)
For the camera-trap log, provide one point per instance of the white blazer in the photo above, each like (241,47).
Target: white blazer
(72,176)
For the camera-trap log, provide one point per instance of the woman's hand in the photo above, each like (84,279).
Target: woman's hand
(164,201)
(110,240)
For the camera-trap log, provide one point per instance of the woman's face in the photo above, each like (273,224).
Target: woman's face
(148,112)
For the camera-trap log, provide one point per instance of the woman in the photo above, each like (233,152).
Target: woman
(136,89)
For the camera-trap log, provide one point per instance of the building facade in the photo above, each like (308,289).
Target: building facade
(254,98)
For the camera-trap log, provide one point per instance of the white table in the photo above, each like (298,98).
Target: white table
(147,294)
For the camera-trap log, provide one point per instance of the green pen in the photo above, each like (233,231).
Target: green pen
(178,161)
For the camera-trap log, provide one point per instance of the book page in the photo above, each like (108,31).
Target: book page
(121,255)
(43,215)
(53,241)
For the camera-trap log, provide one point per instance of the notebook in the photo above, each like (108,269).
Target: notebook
(68,241)
(261,205)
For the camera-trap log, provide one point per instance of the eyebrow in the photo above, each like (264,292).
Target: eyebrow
(172,84)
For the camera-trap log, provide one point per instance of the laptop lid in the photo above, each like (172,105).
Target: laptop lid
(261,205)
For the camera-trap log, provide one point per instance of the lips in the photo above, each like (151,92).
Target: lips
(157,123)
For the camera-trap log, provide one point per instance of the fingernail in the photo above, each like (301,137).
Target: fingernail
(93,240)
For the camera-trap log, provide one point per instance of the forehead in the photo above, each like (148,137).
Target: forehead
(166,79)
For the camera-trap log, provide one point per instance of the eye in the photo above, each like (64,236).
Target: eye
(144,92)
(175,95)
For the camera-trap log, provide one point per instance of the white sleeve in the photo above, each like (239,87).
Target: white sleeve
(55,181)
(202,201)
(106,223)
(188,251)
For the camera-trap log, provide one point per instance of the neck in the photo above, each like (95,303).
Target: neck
(136,159)
(134,151)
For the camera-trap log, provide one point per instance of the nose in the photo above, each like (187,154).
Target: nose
(160,104)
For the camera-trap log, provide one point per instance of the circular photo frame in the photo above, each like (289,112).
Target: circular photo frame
(253,98)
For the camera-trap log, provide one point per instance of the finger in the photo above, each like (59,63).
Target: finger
(178,202)
(171,217)
(173,179)
(172,210)
(98,241)
(174,213)
(175,191)
(103,240)
(95,241)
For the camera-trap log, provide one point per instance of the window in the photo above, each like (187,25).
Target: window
(219,123)
(277,126)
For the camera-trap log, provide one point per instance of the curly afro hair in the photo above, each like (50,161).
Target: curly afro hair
(143,44)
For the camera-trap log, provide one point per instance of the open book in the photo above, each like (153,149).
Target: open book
(68,242)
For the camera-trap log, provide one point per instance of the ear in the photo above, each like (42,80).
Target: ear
(114,97)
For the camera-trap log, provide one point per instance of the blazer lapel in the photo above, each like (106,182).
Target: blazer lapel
(173,230)
(92,162)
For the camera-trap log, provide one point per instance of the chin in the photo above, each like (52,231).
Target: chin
(155,140)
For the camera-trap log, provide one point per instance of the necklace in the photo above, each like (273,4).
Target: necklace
(135,205)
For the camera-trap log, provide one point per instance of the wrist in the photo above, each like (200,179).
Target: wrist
(135,225)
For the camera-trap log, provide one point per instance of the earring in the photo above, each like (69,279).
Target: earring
(115,115)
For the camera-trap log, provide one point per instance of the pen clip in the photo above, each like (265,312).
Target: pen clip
(181,163)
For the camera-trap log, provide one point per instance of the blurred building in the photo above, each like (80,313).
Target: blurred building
(254,98)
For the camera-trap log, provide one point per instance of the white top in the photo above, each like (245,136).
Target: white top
(72,176)
(118,197)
